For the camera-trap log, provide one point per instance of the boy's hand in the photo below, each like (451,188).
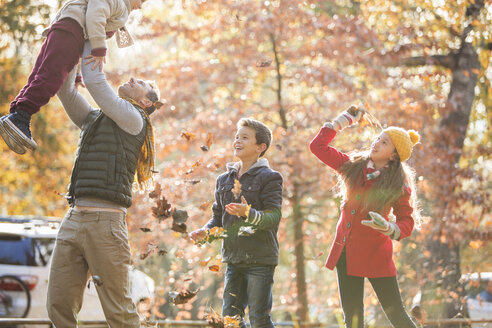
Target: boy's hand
(238,209)
(96,60)
(198,234)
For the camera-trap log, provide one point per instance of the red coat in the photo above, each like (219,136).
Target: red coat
(369,252)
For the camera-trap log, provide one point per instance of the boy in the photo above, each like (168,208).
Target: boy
(251,248)
(75,22)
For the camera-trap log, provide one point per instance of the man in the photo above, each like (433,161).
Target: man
(115,143)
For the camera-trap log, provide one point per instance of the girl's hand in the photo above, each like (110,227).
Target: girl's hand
(376,222)
(96,60)
(348,117)
(238,209)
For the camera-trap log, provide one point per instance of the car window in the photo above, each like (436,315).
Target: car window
(19,250)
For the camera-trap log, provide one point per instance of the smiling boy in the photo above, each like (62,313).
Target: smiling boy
(252,254)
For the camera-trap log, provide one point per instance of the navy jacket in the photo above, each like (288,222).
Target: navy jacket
(262,188)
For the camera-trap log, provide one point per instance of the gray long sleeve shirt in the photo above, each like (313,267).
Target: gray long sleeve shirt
(122,112)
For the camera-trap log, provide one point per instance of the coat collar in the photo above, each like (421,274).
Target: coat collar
(235,166)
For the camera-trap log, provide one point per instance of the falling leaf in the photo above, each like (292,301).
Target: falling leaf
(59,194)
(179,219)
(204,206)
(145,229)
(179,227)
(193,181)
(179,254)
(156,192)
(214,268)
(187,135)
(278,146)
(204,148)
(237,189)
(182,297)
(209,140)
(162,210)
(162,252)
(265,62)
(150,248)
(205,262)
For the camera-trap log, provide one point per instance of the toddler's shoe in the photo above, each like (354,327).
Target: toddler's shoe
(16,132)
(10,141)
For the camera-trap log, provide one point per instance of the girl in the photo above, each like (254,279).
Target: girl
(373,183)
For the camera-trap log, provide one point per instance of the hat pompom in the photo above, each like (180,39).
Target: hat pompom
(414,136)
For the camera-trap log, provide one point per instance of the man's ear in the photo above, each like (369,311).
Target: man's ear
(145,102)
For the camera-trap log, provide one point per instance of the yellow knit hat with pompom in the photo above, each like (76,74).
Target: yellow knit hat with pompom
(403,141)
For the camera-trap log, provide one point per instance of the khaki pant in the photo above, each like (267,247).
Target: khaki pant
(95,241)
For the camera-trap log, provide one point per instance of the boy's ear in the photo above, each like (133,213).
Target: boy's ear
(394,156)
(261,148)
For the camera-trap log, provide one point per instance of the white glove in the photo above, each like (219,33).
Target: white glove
(346,118)
(379,223)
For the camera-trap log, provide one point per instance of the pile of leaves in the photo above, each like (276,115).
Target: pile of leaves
(216,321)
(216,233)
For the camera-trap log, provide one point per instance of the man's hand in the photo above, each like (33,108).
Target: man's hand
(238,209)
(198,234)
(96,61)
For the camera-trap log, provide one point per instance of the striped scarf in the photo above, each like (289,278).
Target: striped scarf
(145,164)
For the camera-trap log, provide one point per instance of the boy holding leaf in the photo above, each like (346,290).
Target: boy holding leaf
(248,201)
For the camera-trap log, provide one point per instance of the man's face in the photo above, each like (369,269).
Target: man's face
(137,90)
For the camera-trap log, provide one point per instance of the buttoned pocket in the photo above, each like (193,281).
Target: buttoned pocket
(252,194)
(225,193)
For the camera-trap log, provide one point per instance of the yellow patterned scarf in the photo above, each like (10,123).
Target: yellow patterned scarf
(145,165)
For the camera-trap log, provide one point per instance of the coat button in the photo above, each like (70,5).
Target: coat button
(357,197)
(348,225)
(249,188)
(353,211)
(344,239)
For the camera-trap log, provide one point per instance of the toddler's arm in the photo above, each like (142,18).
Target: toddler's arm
(122,112)
(75,105)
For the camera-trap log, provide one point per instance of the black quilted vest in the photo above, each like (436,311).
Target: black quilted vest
(106,161)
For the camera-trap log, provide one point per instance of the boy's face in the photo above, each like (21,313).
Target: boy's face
(245,143)
(136,4)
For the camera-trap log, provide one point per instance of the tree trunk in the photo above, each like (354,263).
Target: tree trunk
(302,304)
(302,309)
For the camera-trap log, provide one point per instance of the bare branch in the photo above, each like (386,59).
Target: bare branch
(437,60)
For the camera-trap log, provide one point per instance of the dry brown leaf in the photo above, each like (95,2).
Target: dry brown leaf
(237,189)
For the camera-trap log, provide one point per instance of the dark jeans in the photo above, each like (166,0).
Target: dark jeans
(351,289)
(251,286)
(58,56)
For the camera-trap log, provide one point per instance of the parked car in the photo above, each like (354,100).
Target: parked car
(26,245)
(477,308)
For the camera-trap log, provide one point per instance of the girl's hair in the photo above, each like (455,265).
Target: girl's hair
(387,188)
